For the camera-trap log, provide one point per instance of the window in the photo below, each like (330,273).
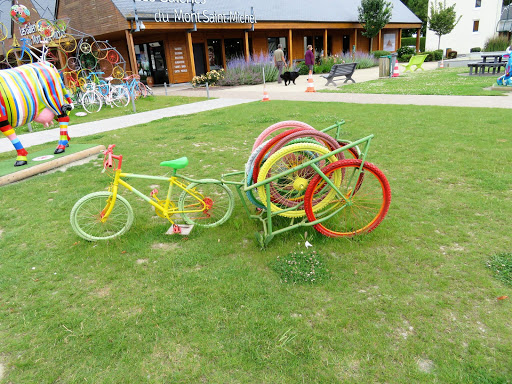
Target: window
(478,3)
(214,53)
(273,43)
(234,48)
(476,25)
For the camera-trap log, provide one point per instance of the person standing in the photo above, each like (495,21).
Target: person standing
(309,58)
(279,61)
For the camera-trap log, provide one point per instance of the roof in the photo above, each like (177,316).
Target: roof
(264,10)
(505,23)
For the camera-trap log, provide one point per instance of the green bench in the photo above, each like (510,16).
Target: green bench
(416,60)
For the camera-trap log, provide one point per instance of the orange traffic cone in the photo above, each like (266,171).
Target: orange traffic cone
(265,95)
(311,84)
(441,65)
(396,71)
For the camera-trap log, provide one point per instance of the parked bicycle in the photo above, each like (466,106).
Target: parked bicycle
(106,214)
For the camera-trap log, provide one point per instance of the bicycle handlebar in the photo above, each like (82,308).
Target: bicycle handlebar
(109,156)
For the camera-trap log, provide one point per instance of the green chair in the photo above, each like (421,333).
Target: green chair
(416,60)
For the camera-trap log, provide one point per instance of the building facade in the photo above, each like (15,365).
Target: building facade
(173,40)
(478,23)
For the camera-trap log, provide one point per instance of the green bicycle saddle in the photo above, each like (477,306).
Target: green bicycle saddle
(182,162)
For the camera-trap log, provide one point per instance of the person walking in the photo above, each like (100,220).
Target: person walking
(279,61)
(309,58)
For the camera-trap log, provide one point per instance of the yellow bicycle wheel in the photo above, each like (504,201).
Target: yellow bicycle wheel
(3,32)
(118,72)
(17,57)
(85,47)
(288,191)
(67,43)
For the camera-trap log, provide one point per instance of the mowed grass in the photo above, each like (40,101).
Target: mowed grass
(149,103)
(447,81)
(412,302)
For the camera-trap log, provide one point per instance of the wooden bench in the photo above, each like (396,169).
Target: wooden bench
(416,60)
(483,68)
(340,70)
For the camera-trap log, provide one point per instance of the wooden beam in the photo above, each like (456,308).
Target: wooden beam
(379,41)
(191,53)
(168,59)
(131,52)
(399,40)
(290,48)
(223,49)
(355,40)
(325,42)
(207,56)
(246,46)
(418,31)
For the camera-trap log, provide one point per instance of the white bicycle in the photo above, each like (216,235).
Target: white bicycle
(96,94)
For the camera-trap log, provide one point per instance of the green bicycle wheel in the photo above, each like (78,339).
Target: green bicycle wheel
(206,204)
(87,213)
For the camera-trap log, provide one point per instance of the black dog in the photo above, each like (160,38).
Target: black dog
(288,77)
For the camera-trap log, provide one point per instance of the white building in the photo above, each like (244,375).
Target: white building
(478,23)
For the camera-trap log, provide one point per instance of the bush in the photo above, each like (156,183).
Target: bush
(430,56)
(476,49)
(211,78)
(405,51)
(497,43)
(242,72)
(405,58)
(303,69)
(438,54)
(412,41)
(378,54)
(363,60)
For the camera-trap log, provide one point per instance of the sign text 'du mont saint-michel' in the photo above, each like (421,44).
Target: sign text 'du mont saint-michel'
(203,16)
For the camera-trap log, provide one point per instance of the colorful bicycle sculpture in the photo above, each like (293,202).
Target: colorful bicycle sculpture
(302,174)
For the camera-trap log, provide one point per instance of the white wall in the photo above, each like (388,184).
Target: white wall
(462,38)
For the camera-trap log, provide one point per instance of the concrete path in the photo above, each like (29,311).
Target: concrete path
(86,129)
(229,96)
(297,93)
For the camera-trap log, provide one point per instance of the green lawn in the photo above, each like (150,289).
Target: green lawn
(412,302)
(448,81)
(141,105)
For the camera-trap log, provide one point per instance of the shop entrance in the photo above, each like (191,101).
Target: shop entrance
(199,58)
(346,43)
(151,62)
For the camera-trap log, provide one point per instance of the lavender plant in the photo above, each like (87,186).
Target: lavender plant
(242,72)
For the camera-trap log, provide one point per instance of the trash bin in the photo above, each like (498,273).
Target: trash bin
(384,66)
(150,81)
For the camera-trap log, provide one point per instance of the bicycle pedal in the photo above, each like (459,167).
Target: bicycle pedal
(182,229)
(153,193)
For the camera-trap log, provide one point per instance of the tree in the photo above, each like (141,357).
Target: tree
(420,9)
(373,16)
(442,19)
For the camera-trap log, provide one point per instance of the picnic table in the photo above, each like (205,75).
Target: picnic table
(489,62)
(495,58)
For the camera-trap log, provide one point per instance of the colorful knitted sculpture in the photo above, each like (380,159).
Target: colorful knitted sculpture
(30,92)
(506,79)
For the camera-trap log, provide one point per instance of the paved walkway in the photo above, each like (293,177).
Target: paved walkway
(229,96)
(86,129)
(297,93)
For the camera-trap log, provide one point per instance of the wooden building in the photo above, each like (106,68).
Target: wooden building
(174,40)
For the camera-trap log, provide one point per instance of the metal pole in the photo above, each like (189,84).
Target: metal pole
(29,125)
(263,77)
(207,91)
(133,103)
(165,86)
